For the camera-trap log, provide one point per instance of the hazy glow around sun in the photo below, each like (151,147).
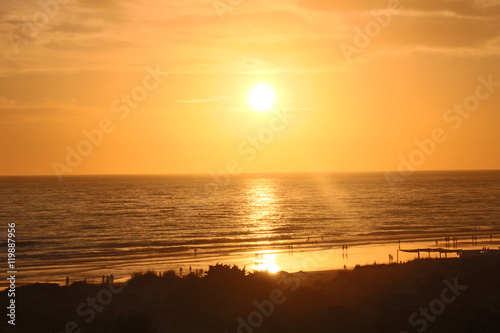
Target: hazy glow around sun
(261,97)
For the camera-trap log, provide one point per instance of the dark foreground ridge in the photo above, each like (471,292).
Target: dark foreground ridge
(428,295)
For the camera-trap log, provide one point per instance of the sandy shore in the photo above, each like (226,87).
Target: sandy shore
(306,257)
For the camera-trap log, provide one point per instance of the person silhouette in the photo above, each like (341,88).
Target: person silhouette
(111,279)
(103,278)
(107,279)
(67,281)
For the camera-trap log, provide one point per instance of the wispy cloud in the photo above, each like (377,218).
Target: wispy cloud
(204,100)
(283,36)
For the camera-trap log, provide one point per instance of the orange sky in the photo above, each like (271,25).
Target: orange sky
(348,101)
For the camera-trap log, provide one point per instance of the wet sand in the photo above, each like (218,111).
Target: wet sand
(305,256)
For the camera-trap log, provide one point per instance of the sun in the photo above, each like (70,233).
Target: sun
(261,97)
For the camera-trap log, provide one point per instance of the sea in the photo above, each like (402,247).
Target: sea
(87,226)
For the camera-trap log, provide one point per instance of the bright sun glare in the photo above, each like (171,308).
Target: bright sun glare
(261,98)
(267,262)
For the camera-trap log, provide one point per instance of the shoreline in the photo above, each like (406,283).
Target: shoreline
(307,257)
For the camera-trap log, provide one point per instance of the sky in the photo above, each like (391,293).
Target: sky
(158,87)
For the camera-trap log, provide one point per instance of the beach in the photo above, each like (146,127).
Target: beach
(435,295)
(304,256)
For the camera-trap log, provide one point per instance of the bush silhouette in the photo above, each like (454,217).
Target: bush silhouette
(225,272)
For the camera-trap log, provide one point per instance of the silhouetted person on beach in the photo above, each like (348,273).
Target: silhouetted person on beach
(107,279)
(190,270)
(67,281)
(111,279)
(180,271)
(103,278)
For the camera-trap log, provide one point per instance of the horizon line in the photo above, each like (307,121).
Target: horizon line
(241,173)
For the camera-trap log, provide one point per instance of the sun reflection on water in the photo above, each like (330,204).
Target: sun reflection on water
(264,217)
(263,206)
(266,261)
